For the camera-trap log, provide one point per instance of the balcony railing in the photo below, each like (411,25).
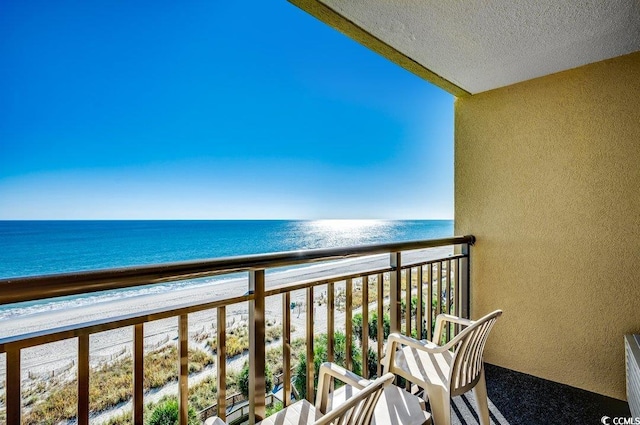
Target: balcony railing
(441,283)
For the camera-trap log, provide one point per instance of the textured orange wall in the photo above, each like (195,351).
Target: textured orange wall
(547,177)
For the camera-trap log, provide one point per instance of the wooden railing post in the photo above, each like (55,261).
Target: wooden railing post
(330,322)
(429,305)
(286,348)
(221,361)
(310,354)
(183,350)
(438,288)
(138,374)
(348,314)
(407,309)
(394,297)
(13,390)
(257,329)
(465,283)
(419,307)
(83,379)
(365,326)
(380,330)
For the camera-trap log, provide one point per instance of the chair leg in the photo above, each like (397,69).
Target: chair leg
(440,402)
(480,393)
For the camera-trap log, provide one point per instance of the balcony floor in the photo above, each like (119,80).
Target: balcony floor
(516,398)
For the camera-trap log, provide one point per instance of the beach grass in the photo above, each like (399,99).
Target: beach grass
(237,338)
(111,384)
(204,393)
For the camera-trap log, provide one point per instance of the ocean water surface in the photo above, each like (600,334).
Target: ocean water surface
(29,248)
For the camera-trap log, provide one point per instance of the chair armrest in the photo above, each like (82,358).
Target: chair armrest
(441,319)
(396,339)
(343,374)
(331,370)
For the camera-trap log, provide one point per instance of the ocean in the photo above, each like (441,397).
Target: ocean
(29,248)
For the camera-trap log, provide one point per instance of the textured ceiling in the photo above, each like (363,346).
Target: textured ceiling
(482,45)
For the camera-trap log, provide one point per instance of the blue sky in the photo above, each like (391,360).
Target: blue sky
(178,110)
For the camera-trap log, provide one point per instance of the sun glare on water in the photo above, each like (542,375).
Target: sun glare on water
(347,225)
(334,233)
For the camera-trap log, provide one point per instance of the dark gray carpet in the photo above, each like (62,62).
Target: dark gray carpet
(516,398)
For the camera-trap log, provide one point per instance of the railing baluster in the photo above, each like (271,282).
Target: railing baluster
(446,286)
(286,348)
(348,323)
(310,368)
(395,279)
(429,301)
(257,328)
(407,310)
(439,288)
(456,291)
(447,296)
(380,327)
(83,379)
(13,390)
(221,361)
(419,306)
(365,326)
(330,322)
(450,295)
(138,374)
(183,349)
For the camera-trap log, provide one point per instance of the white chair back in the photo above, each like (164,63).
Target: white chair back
(357,410)
(467,362)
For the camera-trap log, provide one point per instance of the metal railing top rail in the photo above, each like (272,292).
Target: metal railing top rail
(319,281)
(14,290)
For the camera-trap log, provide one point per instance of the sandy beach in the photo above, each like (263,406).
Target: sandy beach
(42,359)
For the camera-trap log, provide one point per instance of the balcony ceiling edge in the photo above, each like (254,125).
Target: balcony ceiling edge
(337,21)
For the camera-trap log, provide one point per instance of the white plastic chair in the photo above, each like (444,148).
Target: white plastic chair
(356,410)
(448,370)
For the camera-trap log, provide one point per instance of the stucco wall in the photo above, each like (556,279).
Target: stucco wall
(547,177)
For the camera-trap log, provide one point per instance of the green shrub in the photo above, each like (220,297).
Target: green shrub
(373,326)
(320,356)
(166,413)
(372,362)
(243,379)
(357,325)
(274,408)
